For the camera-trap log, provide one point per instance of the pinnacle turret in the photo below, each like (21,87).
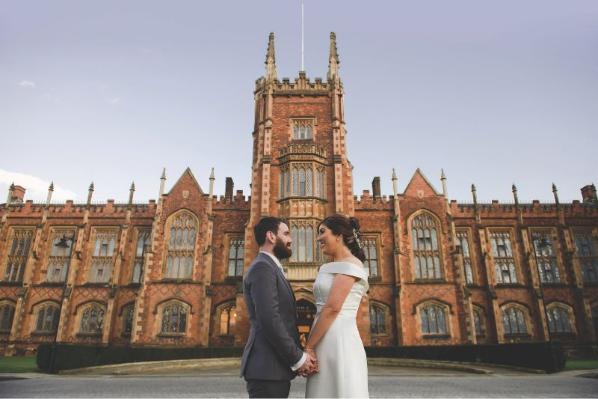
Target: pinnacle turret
(333,60)
(271,73)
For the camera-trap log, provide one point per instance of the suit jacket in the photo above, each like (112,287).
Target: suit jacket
(273,344)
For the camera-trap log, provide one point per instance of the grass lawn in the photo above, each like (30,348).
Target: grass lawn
(581,364)
(18,364)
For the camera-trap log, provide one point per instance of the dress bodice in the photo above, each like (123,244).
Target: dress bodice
(324,280)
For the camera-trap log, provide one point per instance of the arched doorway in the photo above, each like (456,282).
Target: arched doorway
(305,317)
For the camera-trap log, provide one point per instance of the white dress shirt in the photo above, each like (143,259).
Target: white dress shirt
(297,365)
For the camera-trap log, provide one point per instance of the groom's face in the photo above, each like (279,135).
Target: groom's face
(282,246)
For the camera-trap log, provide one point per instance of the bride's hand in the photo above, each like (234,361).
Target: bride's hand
(312,353)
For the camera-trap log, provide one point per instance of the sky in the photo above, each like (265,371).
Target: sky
(494,93)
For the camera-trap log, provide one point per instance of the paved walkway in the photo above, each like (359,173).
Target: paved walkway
(383,382)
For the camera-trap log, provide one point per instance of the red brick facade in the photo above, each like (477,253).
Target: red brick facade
(82,272)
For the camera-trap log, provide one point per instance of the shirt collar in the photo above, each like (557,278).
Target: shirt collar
(274,258)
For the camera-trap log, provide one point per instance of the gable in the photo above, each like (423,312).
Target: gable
(419,186)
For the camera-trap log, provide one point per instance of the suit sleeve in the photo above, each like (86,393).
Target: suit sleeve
(264,292)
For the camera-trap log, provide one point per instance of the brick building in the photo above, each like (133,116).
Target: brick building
(169,272)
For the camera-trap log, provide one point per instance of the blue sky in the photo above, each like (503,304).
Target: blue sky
(493,92)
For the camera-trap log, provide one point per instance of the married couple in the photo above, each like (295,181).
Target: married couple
(333,360)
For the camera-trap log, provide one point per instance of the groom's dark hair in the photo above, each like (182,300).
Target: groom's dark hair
(269,223)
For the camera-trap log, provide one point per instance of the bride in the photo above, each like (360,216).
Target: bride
(334,338)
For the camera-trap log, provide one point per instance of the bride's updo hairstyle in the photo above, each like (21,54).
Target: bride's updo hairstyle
(348,228)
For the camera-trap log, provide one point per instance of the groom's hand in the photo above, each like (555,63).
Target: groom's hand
(310,366)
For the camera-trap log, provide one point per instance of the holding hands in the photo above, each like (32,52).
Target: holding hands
(311,365)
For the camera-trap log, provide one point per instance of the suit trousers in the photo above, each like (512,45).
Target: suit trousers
(268,389)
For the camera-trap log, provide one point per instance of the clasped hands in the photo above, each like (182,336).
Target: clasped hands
(311,365)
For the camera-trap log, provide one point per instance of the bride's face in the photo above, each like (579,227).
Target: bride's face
(328,241)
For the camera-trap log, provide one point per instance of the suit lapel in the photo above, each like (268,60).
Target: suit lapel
(280,275)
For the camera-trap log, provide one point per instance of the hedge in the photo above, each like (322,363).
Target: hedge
(547,356)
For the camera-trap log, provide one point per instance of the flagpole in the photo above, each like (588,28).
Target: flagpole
(302,39)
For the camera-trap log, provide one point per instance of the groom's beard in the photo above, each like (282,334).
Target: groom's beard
(282,251)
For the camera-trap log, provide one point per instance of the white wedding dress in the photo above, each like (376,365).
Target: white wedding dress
(343,364)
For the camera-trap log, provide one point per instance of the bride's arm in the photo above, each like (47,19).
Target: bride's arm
(341,286)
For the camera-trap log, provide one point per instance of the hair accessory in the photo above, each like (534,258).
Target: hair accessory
(356,236)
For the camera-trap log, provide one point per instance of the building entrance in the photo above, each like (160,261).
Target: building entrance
(305,317)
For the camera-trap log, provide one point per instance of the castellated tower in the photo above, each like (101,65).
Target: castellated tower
(300,169)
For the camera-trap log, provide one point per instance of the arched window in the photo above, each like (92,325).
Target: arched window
(309,176)
(302,188)
(514,321)
(377,319)
(103,256)
(303,243)
(545,257)
(48,316)
(228,318)
(426,254)
(236,256)
(479,322)
(463,239)
(127,319)
(181,246)
(143,244)
(559,320)
(502,252)
(302,129)
(587,255)
(370,250)
(174,318)
(433,320)
(92,319)
(60,255)
(18,255)
(7,313)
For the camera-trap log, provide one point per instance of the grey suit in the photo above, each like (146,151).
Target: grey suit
(273,344)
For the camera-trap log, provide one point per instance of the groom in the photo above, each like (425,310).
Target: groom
(272,355)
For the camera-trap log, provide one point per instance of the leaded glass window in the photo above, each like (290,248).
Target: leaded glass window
(303,243)
(587,256)
(227,319)
(302,129)
(18,255)
(558,320)
(174,318)
(127,320)
(48,316)
(181,246)
(545,257)
(319,188)
(463,239)
(514,321)
(433,320)
(370,249)
(7,313)
(377,319)
(103,256)
(236,256)
(143,244)
(61,249)
(92,319)
(426,252)
(479,322)
(504,262)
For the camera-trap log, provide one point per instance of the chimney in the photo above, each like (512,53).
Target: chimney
(228,192)
(376,187)
(17,195)
(588,194)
